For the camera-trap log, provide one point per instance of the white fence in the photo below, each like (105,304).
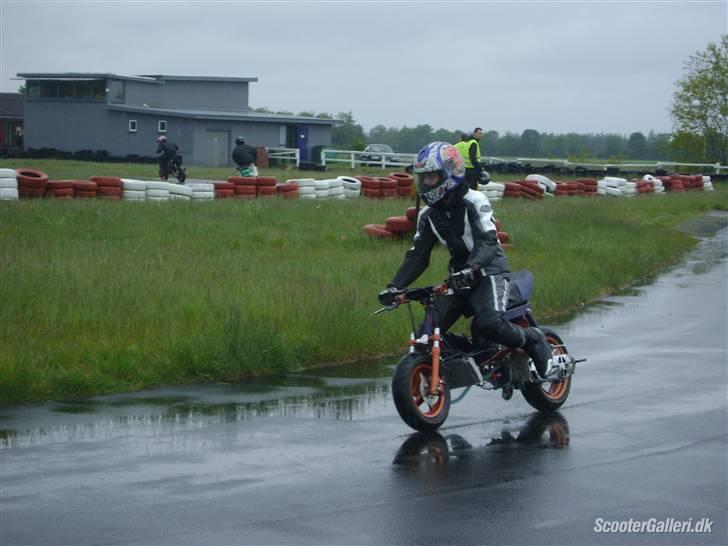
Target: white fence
(354,158)
(285,154)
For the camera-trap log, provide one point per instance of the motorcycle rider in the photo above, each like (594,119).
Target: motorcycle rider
(462,219)
(244,156)
(168,149)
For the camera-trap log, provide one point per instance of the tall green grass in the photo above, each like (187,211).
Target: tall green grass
(99,296)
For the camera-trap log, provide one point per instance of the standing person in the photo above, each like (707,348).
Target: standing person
(462,146)
(168,151)
(19,137)
(244,156)
(462,220)
(472,160)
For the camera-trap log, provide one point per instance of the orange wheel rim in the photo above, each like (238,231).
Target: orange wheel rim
(556,390)
(421,377)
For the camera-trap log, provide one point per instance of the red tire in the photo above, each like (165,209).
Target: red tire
(109,191)
(242,180)
(108,181)
(371,184)
(224,193)
(245,196)
(224,186)
(287,187)
(368,192)
(31,178)
(266,181)
(378,230)
(245,190)
(59,184)
(399,224)
(110,197)
(412,214)
(403,179)
(289,194)
(498,224)
(267,191)
(504,237)
(387,183)
(24,191)
(404,191)
(81,194)
(60,192)
(84,185)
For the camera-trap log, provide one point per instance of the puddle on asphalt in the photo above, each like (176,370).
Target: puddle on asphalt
(341,392)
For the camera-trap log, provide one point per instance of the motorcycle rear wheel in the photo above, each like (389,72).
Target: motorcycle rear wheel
(410,386)
(548,396)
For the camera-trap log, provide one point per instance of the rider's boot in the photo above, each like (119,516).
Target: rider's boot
(539,350)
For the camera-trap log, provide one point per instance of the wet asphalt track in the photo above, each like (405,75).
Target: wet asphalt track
(322,458)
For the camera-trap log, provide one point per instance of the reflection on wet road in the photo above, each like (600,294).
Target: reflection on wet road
(322,458)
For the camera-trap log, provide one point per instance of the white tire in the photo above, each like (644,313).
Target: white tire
(8,194)
(308,196)
(706,179)
(179,189)
(155,194)
(158,185)
(630,185)
(201,187)
(8,173)
(322,194)
(134,195)
(133,185)
(602,191)
(350,182)
(8,183)
(203,195)
(497,186)
(335,192)
(629,191)
(335,183)
(649,178)
(152,198)
(306,190)
(617,181)
(547,182)
(178,197)
(614,192)
(321,185)
(601,184)
(349,193)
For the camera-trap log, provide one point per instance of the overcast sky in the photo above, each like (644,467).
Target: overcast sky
(588,67)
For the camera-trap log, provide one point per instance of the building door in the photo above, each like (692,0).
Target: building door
(218,148)
(302,142)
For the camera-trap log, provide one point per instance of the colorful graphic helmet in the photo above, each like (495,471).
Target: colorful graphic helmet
(161,138)
(442,158)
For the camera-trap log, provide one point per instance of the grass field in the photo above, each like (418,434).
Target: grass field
(102,296)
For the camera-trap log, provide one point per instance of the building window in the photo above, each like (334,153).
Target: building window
(116,91)
(132,126)
(161,126)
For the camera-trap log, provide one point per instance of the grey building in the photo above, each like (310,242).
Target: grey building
(11,121)
(123,115)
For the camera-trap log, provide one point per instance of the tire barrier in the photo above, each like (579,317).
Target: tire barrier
(8,185)
(32,183)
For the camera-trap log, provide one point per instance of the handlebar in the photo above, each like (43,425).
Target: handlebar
(424,295)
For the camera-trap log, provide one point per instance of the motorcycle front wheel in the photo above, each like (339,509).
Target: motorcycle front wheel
(410,390)
(548,396)
(181,175)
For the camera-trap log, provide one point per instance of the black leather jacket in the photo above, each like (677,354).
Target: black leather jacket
(467,229)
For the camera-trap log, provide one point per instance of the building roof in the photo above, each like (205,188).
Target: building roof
(148,78)
(11,105)
(223,115)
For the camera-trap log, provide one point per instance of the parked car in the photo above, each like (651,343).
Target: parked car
(373,153)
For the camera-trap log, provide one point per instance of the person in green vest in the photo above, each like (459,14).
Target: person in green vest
(472,159)
(462,146)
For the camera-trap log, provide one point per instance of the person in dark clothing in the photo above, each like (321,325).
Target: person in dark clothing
(472,160)
(168,151)
(244,156)
(462,220)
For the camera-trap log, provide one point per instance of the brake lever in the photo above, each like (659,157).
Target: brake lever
(390,308)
